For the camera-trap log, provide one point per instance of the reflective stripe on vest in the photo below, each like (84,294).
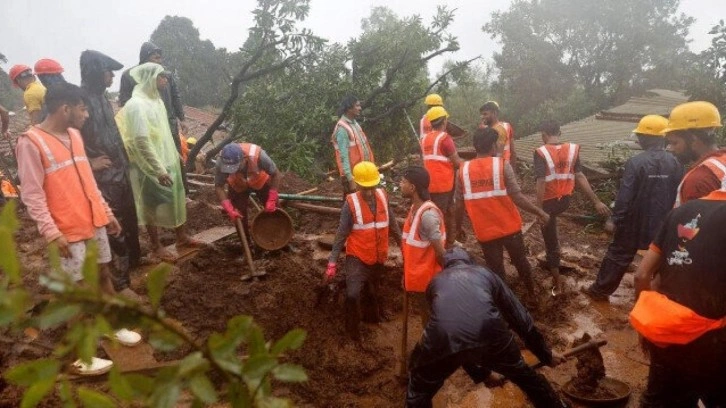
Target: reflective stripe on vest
(553,174)
(359,223)
(368,240)
(716,165)
(498,189)
(420,264)
(492,212)
(435,153)
(424,127)
(254,177)
(68,183)
(440,168)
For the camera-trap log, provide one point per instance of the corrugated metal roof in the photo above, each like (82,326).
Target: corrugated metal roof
(607,126)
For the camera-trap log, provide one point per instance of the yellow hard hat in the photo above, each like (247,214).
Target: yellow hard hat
(192,141)
(693,115)
(436,112)
(651,125)
(434,100)
(366,174)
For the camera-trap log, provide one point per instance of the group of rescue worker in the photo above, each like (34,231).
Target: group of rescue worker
(471,309)
(128,169)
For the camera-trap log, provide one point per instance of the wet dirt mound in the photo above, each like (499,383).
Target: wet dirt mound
(208,291)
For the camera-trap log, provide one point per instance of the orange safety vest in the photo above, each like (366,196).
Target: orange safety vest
(419,257)
(356,146)
(424,127)
(71,194)
(560,159)
(664,322)
(492,212)
(440,168)
(507,153)
(368,240)
(716,164)
(253,177)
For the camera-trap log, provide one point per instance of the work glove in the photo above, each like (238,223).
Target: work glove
(232,213)
(330,272)
(271,204)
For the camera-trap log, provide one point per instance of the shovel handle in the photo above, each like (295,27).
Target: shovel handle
(245,244)
(577,350)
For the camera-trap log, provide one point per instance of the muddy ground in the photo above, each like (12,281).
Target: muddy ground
(206,290)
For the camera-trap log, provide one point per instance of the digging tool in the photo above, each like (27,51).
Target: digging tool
(246,247)
(404,337)
(592,344)
(416,136)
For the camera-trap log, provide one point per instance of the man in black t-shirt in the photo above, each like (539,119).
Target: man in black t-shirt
(688,258)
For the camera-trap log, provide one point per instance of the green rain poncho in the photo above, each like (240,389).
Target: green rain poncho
(147,137)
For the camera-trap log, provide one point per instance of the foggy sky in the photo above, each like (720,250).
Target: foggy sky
(34,29)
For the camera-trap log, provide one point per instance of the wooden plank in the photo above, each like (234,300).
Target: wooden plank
(128,359)
(207,236)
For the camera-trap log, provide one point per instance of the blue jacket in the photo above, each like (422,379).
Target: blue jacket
(647,193)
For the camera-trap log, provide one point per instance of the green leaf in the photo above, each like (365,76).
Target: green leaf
(256,341)
(273,402)
(56,313)
(120,386)
(164,340)
(36,393)
(8,225)
(165,396)
(94,399)
(258,366)
(292,340)
(290,373)
(191,363)
(26,374)
(155,282)
(203,389)
(66,394)
(90,266)
(88,342)
(141,384)
(239,395)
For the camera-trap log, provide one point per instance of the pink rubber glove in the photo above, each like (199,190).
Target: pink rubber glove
(332,269)
(271,204)
(232,213)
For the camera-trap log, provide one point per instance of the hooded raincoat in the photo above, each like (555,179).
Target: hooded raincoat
(147,137)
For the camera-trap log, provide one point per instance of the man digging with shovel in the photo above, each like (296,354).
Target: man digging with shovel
(472,311)
(245,168)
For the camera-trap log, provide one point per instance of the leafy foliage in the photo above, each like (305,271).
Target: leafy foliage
(89,313)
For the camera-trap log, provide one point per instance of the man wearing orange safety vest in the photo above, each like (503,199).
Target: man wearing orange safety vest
(350,142)
(441,160)
(63,199)
(425,124)
(557,169)
(505,143)
(366,221)
(489,193)
(245,168)
(691,134)
(424,233)
(682,317)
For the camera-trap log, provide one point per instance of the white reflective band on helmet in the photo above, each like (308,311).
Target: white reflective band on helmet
(358,224)
(553,175)
(410,237)
(435,155)
(497,191)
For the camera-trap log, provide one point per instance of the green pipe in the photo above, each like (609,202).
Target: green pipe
(303,197)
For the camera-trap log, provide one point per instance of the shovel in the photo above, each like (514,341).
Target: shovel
(248,254)
(577,350)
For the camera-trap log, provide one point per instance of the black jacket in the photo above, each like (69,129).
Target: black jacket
(471,307)
(171,98)
(100,133)
(647,192)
